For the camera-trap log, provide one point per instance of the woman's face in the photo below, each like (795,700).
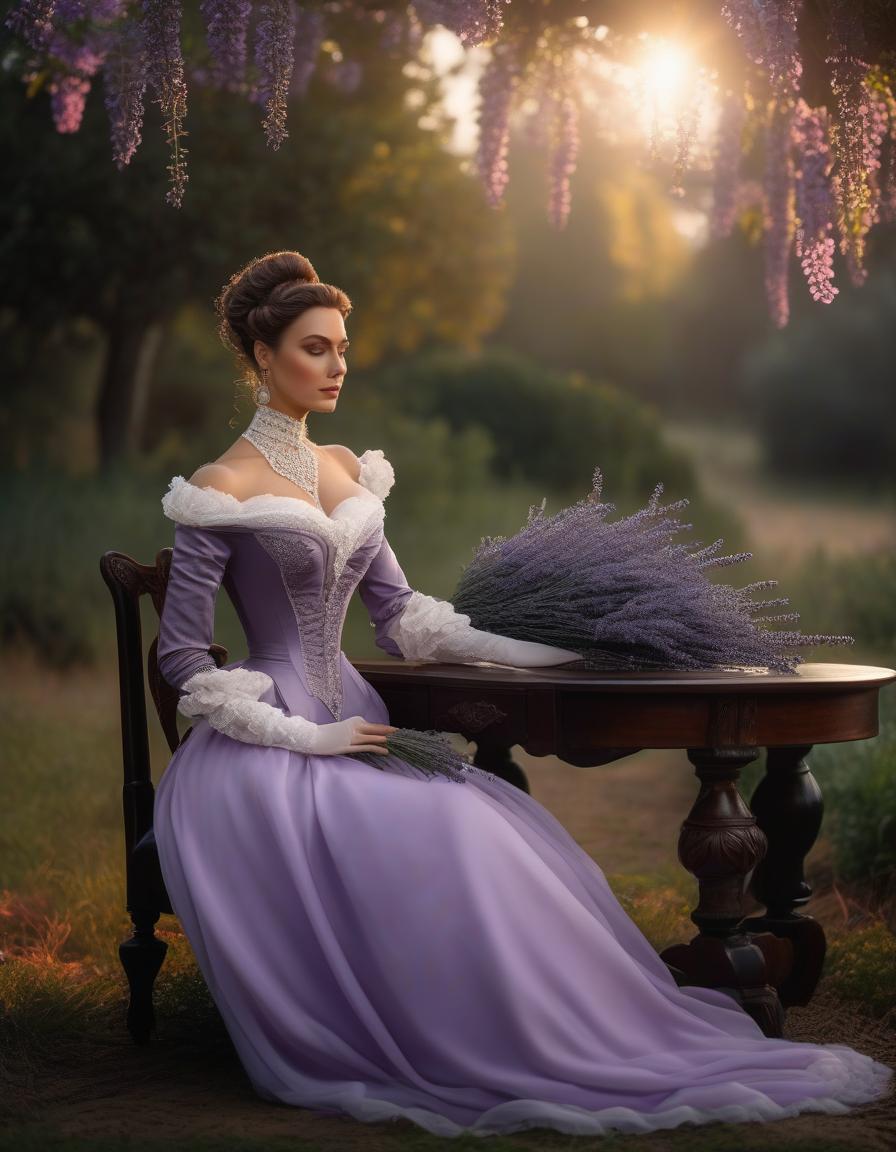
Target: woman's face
(309,359)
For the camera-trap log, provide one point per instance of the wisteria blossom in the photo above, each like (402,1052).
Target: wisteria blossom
(75,40)
(227,27)
(274,57)
(726,169)
(124,78)
(768,32)
(474,22)
(33,21)
(779,212)
(814,201)
(269,50)
(857,134)
(564,152)
(623,595)
(496,90)
(165,75)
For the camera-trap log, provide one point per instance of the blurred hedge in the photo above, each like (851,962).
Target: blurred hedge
(547,428)
(823,395)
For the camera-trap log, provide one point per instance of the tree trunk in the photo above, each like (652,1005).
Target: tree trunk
(135,337)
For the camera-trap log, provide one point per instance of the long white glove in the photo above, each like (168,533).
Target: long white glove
(229,700)
(430,629)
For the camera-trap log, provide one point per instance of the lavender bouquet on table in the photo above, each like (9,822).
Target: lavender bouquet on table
(622,594)
(429,751)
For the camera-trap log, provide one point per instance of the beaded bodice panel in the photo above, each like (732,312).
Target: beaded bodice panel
(319,561)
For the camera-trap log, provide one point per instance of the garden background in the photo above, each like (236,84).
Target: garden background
(496,359)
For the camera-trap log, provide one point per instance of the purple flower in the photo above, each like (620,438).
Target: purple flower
(814,201)
(67,97)
(165,73)
(854,138)
(33,21)
(124,75)
(496,88)
(779,218)
(274,58)
(623,595)
(768,32)
(227,23)
(474,22)
(563,160)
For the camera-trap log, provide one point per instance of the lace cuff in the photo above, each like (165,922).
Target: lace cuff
(255,722)
(229,699)
(431,629)
(210,687)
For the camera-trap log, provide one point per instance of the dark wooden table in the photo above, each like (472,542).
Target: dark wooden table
(722,719)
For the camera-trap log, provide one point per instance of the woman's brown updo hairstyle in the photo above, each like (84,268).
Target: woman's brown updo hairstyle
(263,299)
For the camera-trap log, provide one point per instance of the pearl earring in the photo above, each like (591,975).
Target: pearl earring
(263,393)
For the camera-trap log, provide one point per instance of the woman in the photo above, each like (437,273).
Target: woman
(383,943)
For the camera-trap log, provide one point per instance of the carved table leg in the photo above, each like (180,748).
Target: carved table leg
(788,807)
(496,758)
(720,843)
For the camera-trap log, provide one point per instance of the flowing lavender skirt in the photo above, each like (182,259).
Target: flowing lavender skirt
(384,945)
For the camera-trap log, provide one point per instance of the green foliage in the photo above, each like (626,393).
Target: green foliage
(823,390)
(862,966)
(549,428)
(52,596)
(659,903)
(855,594)
(858,780)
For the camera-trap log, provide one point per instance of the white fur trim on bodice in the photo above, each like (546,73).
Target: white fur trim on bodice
(377,473)
(351,520)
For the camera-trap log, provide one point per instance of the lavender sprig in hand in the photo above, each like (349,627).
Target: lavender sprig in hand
(620,593)
(430,751)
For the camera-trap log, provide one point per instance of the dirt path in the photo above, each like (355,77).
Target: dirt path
(784,521)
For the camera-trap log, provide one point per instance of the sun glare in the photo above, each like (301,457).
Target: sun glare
(665,68)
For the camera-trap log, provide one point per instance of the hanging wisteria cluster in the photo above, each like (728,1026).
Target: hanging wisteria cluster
(827,168)
(623,595)
(823,185)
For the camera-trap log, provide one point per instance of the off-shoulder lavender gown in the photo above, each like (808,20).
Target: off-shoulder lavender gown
(385,944)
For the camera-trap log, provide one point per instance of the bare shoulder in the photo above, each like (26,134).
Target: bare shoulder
(347,458)
(223,477)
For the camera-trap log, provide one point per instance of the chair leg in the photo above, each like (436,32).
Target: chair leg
(141,957)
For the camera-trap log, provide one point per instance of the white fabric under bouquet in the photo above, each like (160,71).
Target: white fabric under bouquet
(622,595)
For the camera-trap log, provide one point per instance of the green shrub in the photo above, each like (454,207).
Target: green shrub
(822,390)
(862,966)
(858,780)
(852,594)
(547,428)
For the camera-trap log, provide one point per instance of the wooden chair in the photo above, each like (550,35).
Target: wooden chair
(147,898)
